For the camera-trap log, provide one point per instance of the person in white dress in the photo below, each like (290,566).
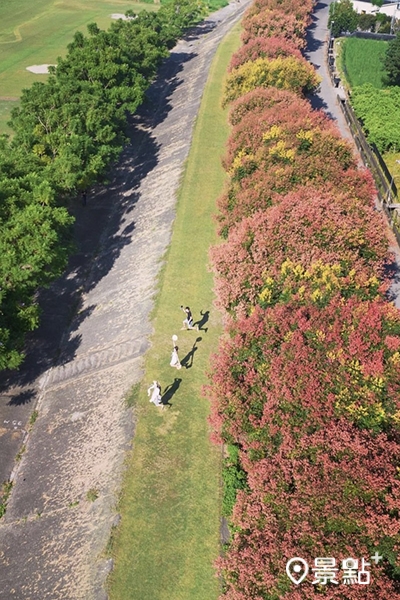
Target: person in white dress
(155,392)
(175,362)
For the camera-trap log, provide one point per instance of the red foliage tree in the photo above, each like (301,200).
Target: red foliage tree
(334,493)
(260,99)
(275,23)
(263,129)
(282,165)
(322,472)
(264,47)
(298,8)
(311,359)
(306,226)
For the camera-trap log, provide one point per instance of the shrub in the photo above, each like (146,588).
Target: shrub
(378,110)
(264,47)
(258,100)
(306,226)
(287,73)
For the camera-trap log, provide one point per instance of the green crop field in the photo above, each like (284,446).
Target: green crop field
(35,33)
(361,61)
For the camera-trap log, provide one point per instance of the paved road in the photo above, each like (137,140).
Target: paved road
(326,99)
(316,53)
(52,535)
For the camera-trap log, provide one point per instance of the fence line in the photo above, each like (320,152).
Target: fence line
(372,159)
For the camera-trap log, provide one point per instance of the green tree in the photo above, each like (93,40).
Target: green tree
(366,22)
(342,17)
(71,129)
(379,112)
(68,132)
(34,247)
(391,62)
(177,15)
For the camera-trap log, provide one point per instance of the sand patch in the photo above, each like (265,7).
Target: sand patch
(39,69)
(121,16)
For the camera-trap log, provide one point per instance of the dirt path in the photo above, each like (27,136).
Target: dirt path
(53,534)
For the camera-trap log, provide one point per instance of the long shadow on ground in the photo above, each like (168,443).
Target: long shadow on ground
(99,237)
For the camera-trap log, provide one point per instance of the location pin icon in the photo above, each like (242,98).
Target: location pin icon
(297,569)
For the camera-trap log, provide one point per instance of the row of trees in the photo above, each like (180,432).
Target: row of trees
(305,386)
(344,18)
(67,134)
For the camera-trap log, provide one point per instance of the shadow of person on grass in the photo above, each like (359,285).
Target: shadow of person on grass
(187,361)
(201,322)
(170,391)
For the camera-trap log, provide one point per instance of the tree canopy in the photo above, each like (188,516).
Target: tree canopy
(68,132)
(391,62)
(342,17)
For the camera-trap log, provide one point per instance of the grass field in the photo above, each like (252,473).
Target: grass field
(360,61)
(168,537)
(34,33)
(5,112)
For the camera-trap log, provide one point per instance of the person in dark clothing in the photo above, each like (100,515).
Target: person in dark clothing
(188,322)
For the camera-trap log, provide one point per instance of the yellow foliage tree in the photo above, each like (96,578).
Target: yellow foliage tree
(287,73)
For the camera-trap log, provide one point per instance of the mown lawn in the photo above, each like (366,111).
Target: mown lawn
(168,536)
(35,33)
(361,61)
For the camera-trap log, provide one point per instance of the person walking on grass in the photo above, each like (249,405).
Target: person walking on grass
(155,392)
(188,322)
(175,362)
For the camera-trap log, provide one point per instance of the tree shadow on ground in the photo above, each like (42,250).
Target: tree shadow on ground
(156,106)
(100,233)
(392,273)
(313,44)
(196,32)
(24,397)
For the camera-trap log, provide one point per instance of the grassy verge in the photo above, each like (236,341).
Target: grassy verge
(359,61)
(168,537)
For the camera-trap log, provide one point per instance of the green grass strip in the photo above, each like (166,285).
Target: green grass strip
(361,61)
(168,537)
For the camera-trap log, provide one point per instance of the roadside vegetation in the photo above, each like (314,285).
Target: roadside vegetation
(168,537)
(371,70)
(305,386)
(343,18)
(68,132)
(36,33)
